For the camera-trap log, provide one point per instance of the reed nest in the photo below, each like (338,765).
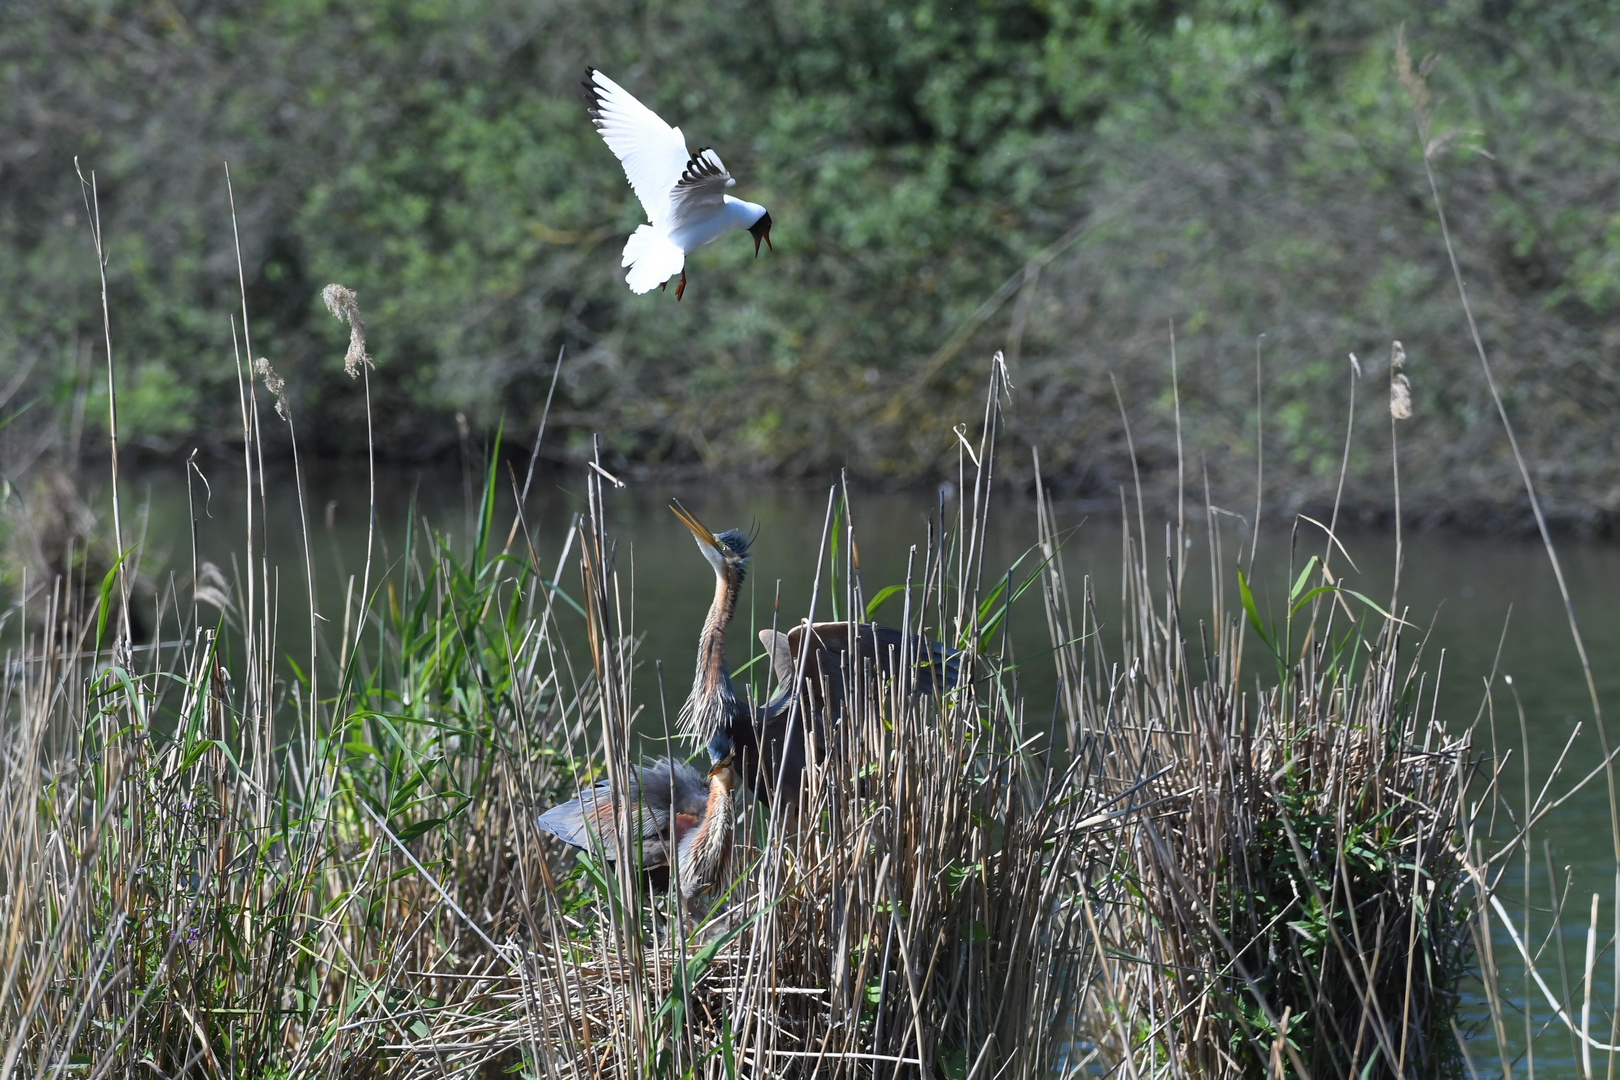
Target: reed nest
(218,860)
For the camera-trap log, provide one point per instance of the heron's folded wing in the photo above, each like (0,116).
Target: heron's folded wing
(653,154)
(935,666)
(666,785)
(566,821)
(700,191)
(588,821)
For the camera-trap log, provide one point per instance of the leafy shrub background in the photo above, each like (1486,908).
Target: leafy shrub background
(1241,167)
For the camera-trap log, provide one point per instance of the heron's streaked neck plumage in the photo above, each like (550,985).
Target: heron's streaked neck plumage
(714,698)
(705,850)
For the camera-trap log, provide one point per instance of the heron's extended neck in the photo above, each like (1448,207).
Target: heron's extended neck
(713,698)
(704,850)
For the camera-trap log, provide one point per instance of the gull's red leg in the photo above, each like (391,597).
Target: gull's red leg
(679,289)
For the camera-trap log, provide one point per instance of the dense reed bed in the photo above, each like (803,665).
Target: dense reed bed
(220,860)
(217,862)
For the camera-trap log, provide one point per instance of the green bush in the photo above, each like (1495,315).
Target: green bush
(1243,167)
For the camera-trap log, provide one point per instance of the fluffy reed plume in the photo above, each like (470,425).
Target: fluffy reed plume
(275,384)
(1501,849)
(345,305)
(209,867)
(1400,387)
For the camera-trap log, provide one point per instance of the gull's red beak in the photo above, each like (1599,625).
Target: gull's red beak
(761,230)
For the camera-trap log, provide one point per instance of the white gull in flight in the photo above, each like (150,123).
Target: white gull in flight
(683,192)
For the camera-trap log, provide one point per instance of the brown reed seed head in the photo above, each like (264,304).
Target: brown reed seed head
(1400,387)
(275,384)
(1415,81)
(345,304)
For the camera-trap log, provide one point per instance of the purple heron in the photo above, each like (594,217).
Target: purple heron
(835,655)
(677,816)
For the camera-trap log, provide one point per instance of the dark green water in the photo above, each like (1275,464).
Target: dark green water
(1474,595)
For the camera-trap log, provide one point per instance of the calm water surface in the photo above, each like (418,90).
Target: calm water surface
(1479,597)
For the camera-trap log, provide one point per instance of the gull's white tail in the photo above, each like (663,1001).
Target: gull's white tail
(652,258)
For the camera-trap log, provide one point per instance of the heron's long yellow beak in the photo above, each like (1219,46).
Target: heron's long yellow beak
(694,524)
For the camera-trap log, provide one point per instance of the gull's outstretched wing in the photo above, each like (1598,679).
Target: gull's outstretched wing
(701,189)
(653,154)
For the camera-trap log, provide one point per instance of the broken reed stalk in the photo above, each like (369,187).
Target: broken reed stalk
(905,909)
(946,893)
(177,892)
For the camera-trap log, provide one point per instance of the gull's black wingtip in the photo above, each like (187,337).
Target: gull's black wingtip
(593,93)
